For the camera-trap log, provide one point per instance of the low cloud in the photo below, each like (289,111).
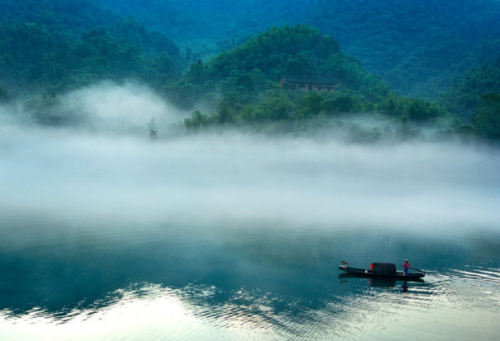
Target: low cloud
(114,169)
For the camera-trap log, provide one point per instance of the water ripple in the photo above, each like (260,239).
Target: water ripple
(491,275)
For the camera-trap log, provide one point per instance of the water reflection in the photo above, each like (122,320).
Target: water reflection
(379,282)
(250,280)
(150,311)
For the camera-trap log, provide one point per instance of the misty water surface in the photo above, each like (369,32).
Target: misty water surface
(107,165)
(232,235)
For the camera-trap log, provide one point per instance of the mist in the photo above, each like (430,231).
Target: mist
(106,165)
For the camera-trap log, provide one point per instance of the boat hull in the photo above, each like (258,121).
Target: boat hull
(398,275)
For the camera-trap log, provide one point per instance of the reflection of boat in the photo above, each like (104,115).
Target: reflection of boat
(380,281)
(382,270)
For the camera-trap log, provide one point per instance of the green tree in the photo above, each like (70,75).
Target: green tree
(486,120)
(166,65)
(313,103)
(197,121)
(421,110)
(224,115)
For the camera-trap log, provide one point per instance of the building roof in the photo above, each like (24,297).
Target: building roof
(310,79)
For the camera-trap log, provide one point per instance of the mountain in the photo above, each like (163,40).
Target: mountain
(424,48)
(467,95)
(419,47)
(265,59)
(255,87)
(208,26)
(65,16)
(57,45)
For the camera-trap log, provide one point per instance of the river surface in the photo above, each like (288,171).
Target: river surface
(240,279)
(106,236)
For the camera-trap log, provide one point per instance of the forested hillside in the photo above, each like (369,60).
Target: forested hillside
(260,63)
(244,85)
(466,96)
(418,47)
(67,17)
(210,26)
(56,45)
(52,46)
(476,98)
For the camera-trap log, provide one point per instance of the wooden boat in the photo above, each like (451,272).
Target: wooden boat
(382,270)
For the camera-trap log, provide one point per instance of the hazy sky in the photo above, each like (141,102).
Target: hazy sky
(110,167)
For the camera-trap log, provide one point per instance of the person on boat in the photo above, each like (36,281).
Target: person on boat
(406,265)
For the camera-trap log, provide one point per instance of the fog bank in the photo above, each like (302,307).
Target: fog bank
(101,169)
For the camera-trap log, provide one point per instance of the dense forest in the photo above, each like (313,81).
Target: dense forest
(58,45)
(466,96)
(211,26)
(50,47)
(246,79)
(418,47)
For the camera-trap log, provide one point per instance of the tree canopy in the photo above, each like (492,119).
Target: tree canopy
(52,46)
(246,82)
(58,45)
(418,47)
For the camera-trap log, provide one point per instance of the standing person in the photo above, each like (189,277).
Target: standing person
(406,265)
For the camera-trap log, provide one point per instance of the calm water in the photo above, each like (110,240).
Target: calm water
(106,236)
(240,279)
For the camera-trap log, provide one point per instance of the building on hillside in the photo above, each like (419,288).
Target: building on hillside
(309,83)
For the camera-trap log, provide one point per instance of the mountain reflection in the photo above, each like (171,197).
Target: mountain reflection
(262,273)
(76,267)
